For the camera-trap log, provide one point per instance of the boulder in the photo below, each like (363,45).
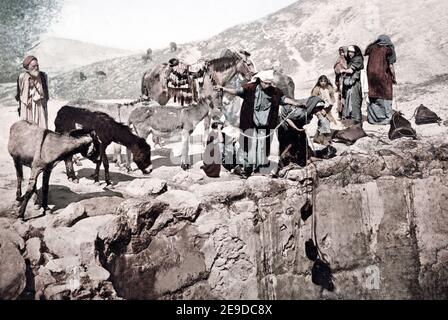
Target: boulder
(97,273)
(85,208)
(186,178)
(63,265)
(33,250)
(141,214)
(80,240)
(165,173)
(184,204)
(42,280)
(261,186)
(146,187)
(69,216)
(23,229)
(220,191)
(12,270)
(11,235)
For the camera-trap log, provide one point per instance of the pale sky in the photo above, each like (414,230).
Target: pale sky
(141,24)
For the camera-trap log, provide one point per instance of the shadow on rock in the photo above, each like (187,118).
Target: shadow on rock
(62,196)
(114,176)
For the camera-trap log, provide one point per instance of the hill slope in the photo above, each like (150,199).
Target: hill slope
(59,55)
(304,37)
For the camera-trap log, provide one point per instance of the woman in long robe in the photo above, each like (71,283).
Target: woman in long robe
(381,77)
(352,91)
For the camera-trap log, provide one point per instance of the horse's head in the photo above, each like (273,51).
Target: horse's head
(245,66)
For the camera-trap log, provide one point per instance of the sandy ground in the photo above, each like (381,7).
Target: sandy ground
(62,191)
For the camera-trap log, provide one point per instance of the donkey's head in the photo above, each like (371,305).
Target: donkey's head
(90,150)
(142,156)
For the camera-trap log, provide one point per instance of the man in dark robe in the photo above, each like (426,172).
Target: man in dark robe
(258,118)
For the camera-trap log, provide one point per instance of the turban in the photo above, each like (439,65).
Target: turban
(27,61)
(266,76)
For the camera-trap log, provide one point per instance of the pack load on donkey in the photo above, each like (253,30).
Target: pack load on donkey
(183,81)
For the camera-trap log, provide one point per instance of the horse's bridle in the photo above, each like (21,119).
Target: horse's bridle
(247,71)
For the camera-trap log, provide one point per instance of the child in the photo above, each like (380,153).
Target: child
(213,151)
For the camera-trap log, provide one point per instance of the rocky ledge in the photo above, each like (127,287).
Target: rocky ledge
(381,221)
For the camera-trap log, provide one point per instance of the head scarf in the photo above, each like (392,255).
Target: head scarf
(357,62)
(384,40)
(265,76)
(345,49)
(27,61)
(302,116)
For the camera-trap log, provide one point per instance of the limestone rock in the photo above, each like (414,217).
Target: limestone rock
(184,204)
(187,178)
(65,264)
(12,270)
(42,280)
(97,273)
(80,240)
(141,214)
(220,191)
(85,208)
(146,187)
(261,186)
(166,266)
(69,216)
(33,250)
(23,229)
(11,235)
(165,173)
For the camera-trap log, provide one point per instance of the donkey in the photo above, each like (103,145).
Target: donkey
(108,131)
(153,83)
(40,149)
(165,120)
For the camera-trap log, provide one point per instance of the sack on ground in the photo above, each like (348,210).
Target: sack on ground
(349,135)
(424,115)
(400,127)
(326,153)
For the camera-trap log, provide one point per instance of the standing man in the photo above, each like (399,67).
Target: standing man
(32,93)
(381,77)
(258,118)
